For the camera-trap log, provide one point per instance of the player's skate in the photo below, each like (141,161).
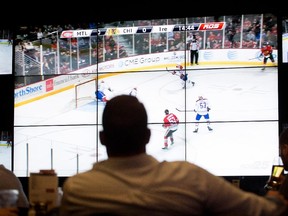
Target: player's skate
(190,82)
(263,68)
(209,128)
(165,148)
(196,130)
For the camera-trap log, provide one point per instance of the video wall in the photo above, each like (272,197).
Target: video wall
(58,70)
(6,96)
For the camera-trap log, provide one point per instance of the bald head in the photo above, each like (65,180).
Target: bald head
(125,130)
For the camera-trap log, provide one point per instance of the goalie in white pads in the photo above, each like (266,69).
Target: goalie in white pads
(183,76)
(100,93)
(202,109)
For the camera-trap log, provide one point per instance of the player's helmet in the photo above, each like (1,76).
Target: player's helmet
(200,97)
(179,66)
(166,111)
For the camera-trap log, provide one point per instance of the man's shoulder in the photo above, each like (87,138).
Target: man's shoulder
(179,164)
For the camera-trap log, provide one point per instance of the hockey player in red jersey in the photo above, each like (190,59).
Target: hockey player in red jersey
(267,53)
(170,123)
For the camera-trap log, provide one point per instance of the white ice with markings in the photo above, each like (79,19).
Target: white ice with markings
(244,118)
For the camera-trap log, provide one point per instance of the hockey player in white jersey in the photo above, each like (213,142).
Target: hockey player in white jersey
(133,92)
(202,109)
(183,76)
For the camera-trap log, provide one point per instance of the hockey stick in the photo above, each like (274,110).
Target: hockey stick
(179,110)
(167,70)
(259,58)
(171,71)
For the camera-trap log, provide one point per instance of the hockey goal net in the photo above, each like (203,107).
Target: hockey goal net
(85,92)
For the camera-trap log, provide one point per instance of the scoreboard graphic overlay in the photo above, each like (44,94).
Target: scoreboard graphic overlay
(143,29)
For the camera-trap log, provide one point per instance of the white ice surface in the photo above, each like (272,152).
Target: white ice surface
(52,133)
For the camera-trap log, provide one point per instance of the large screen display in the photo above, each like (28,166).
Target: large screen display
(60,68)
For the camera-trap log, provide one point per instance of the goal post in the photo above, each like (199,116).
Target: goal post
(85,92)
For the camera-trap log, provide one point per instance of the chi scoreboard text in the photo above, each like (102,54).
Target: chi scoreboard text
(143,29)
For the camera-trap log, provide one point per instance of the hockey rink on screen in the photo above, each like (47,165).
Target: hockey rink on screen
(5,59)
(52,133)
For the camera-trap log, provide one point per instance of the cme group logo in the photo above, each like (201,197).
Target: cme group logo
(232,55)
(208,55)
